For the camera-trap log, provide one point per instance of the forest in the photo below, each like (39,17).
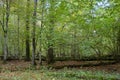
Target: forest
(59,40)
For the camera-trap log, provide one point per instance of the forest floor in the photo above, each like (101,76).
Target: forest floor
(87,65)
(21,70)
(15,65)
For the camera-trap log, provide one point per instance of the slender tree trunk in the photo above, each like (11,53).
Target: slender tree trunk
(73,46)
(2,23)
(40,60)
(33,34)
(27,31)
(6,30)
(5,47)
(18,45)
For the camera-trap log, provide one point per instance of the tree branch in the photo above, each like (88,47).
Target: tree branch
(2,26)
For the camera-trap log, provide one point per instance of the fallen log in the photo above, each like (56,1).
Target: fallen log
(82,65)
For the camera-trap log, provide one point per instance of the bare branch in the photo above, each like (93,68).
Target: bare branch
(2,26)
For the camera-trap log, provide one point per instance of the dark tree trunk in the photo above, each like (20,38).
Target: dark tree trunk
(33,34)
(118,45)
(50,56)
(27,32)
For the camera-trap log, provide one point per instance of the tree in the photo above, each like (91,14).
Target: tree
(27,30)
(33,33)
(5,26)
(50,34)
(41,29)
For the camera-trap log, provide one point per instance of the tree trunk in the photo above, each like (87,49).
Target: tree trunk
(5,47)
(50,56)
(118,45)
(33,34)
(27,31)
(6,30)
(40,60)
(18,45)
(50,51)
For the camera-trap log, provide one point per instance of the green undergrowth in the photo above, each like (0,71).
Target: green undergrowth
(62,74)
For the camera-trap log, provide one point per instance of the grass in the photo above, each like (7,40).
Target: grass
(63,74)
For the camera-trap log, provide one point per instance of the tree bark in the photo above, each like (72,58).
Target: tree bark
(33,34)
(27,31)
(50,56)
(5,29)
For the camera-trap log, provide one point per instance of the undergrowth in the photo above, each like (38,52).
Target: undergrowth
(63,74)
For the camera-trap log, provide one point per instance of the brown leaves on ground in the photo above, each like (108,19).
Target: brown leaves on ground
(108,68)
(16,65)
